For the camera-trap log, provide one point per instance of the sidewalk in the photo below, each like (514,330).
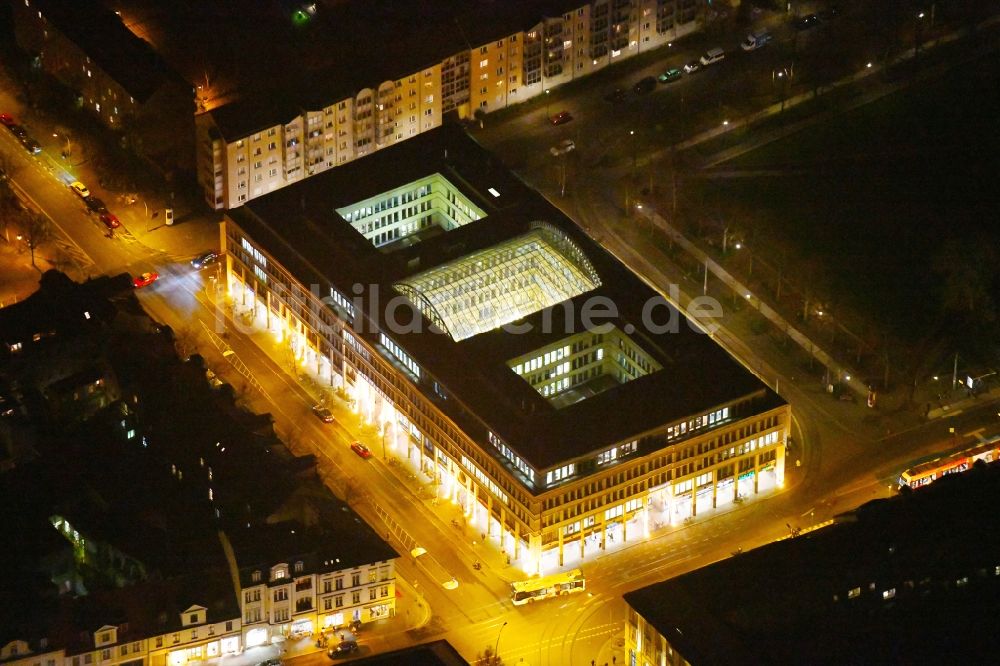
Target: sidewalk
(956,404)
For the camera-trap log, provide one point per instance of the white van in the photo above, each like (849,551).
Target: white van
(712,56)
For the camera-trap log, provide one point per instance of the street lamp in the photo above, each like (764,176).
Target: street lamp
(385,432)
(785,74)
(67,152)
(546,103)
(496,648)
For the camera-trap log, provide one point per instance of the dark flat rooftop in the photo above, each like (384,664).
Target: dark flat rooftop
(299,226)
(925,567)
(438,653)
(339,540)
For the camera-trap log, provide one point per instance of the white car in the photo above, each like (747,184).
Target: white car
(712,56)
(563,147)
(80,189)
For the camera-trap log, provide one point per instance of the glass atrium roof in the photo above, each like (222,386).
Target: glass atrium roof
(501,284)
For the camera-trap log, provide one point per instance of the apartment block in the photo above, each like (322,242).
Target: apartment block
(510,55)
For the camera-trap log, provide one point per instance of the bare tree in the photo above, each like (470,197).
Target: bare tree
(7,167)
(10,206)
(37,231)
(968,272)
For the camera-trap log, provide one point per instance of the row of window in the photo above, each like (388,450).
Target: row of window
(555,475)
(336,602)
(399,354)
(388,203)
(542,360)
(255,253)
(485,480)
(587,492)
(342,301)
(507,453)
(617,452)
(698,422)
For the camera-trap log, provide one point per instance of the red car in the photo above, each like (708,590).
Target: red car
(7,119)
(145,279)
(361,450)
(110,220)
(561,118)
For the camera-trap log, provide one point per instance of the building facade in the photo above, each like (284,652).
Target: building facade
(235,166)
(242,156)
(193,637)
(648,647)
(720,452)
(291,599)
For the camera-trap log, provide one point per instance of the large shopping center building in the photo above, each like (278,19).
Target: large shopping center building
(533,378)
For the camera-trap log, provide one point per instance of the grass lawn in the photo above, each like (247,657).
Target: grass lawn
(873,195)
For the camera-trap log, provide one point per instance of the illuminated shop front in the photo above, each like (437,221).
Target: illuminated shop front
(257,636)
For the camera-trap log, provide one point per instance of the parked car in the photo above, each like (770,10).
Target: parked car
(361,450)
(669,75)
(110,220)
(323,413)
(269,662)
(30,144)
(79,189)
(755,40)
(616,96)
(712,56)
(343,649)
(563,147)
(7,120)
(692,67)
(644,85)
(205,259)
(95,205)
(561,118)
(145,279)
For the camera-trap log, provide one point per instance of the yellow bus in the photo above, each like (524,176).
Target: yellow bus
(535,589)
